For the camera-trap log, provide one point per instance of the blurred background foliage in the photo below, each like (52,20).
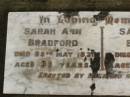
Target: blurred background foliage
(40,5)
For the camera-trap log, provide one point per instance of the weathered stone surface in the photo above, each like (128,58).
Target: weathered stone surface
(32,5)
(49,52)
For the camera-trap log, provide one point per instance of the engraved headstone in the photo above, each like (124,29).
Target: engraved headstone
(56,53)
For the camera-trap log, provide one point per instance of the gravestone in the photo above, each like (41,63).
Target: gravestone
(51,52)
